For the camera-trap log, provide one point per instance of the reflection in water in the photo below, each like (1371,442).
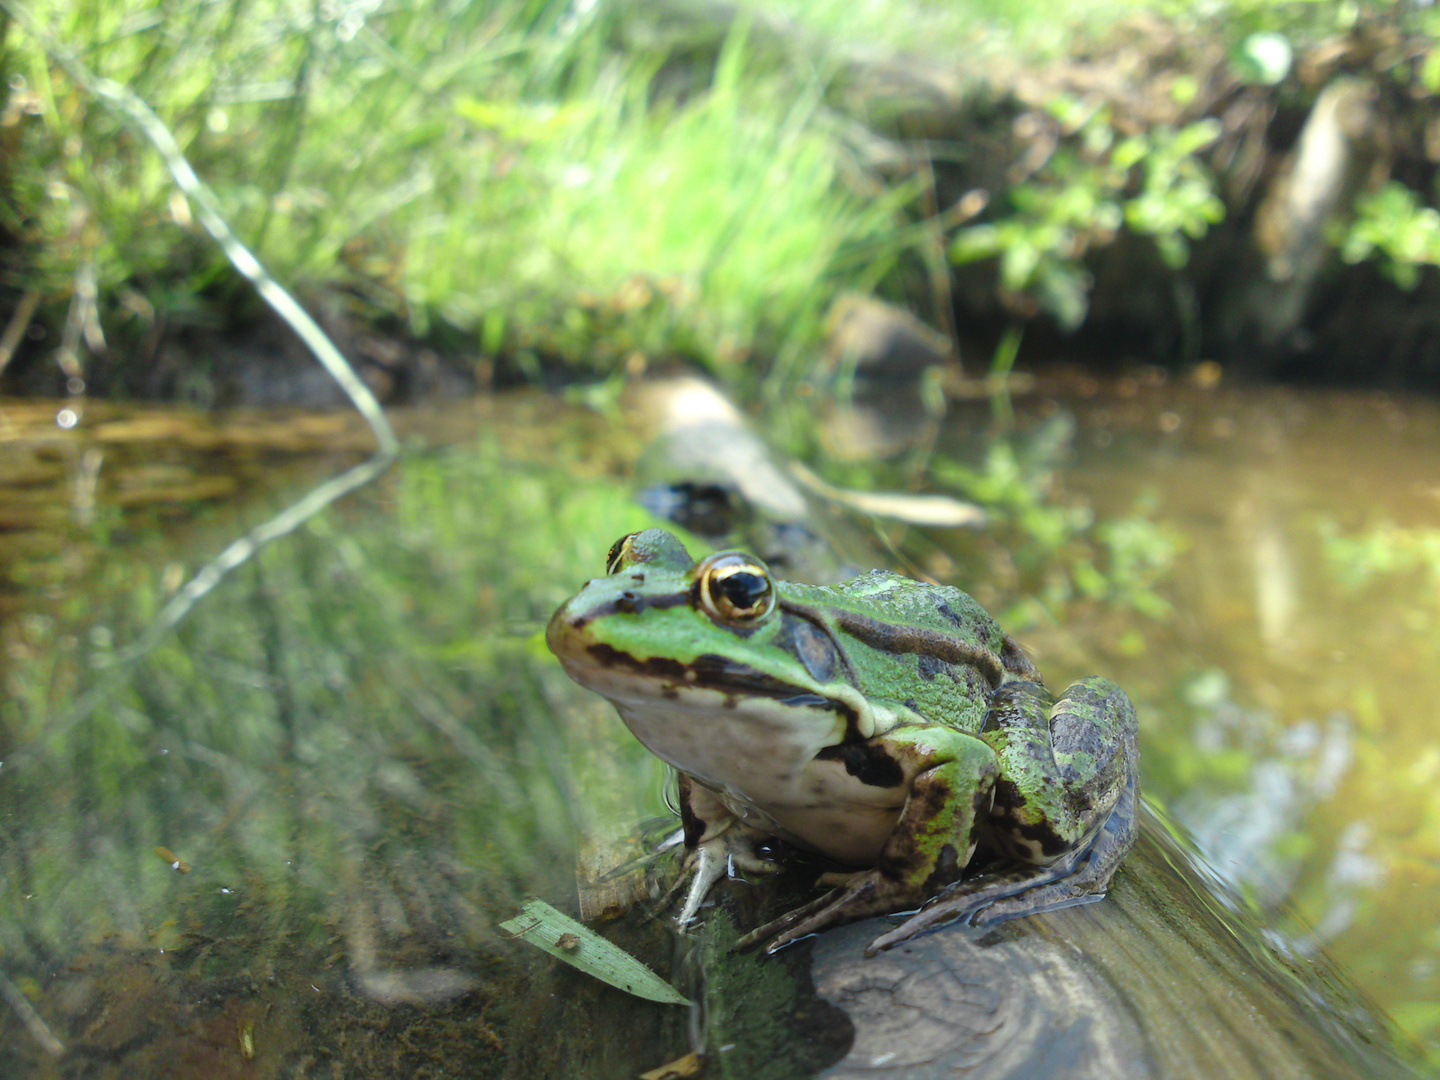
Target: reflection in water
(351,762)
(1245,832)
(1275,584)
(1286,710)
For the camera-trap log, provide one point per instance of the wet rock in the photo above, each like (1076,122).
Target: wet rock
(890,361)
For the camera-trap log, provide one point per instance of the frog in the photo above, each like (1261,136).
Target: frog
(885,724)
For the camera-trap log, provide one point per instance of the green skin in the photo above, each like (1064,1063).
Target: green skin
(888,724)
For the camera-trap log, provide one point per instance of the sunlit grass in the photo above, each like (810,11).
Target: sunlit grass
(718,227)
(504,169)
(953,28)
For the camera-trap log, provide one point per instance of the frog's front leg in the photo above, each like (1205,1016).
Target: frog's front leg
(1065,808)
(952,786)
(719,844)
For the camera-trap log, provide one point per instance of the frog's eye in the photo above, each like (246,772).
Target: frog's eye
(734,589)
(650,547)
(618,550)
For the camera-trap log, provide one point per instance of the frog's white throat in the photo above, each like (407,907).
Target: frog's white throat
(721,736)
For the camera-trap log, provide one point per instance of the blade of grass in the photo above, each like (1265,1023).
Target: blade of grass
(562,937)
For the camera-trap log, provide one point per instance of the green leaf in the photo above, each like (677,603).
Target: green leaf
(565,939)
(1195,137)
(1263,58)
(975,243)
(1430,70)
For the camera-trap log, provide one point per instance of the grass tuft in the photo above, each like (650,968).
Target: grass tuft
(505,169)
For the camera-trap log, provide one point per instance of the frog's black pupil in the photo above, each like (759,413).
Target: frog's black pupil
(744,590)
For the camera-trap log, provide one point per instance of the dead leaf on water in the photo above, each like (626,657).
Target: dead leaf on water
(176,863)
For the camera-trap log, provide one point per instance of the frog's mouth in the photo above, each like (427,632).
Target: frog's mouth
(709,671)
(665,684)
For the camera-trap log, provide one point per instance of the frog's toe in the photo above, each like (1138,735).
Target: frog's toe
(1045,898)
(753,864)
(714,859)
(774,926)
(707,867)
(932,918)
(864,894)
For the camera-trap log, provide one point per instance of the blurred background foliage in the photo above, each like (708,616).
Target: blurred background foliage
(605,183)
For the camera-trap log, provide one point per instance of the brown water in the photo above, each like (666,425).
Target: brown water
(288,835)
(1288,709)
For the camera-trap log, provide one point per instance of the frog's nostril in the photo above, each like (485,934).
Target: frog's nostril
(628,602)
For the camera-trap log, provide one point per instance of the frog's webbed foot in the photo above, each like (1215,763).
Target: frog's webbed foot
(861,895)
(720,856)
(1081,877)
(989,898)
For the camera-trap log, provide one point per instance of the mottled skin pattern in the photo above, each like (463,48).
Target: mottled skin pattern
(886,723)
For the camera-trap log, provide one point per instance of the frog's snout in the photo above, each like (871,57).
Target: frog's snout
(562,628)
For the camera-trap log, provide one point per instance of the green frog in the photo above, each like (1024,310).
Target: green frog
(887,724)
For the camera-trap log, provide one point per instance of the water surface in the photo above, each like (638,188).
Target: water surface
(1288,700)
(287,836)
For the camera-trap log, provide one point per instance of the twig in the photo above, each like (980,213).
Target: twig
(935,262)
(34,1023)
(19,323)
(68,355)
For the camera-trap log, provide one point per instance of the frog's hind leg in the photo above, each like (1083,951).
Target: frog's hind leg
(1064,767)
(1064,810)
(1087,877)
(1079,878)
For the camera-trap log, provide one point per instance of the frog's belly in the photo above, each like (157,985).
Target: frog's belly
(853,834)
(762,764)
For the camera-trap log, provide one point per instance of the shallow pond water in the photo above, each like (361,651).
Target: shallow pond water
(1288,698)
(283,841)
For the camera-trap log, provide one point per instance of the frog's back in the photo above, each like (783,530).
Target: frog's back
(905,601)
(932,648)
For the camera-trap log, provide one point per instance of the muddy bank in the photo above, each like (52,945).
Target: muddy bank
(1267,291)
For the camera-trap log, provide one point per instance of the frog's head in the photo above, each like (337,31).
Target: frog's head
(672,641)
